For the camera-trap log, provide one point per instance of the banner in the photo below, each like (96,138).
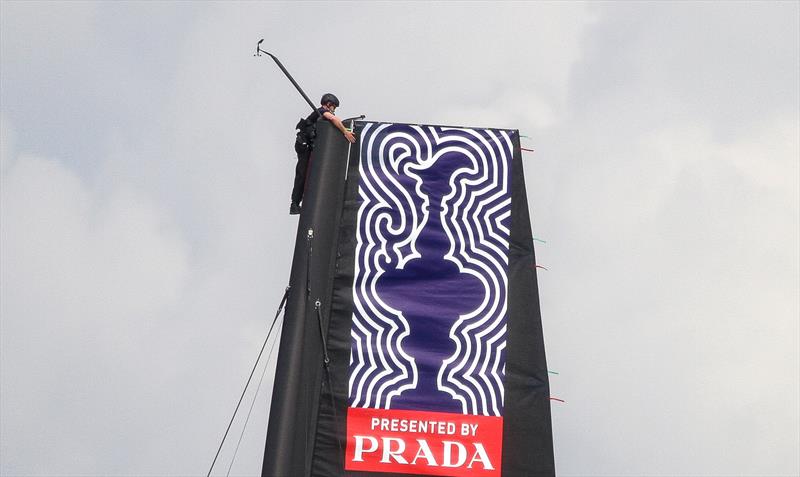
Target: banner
(430,286)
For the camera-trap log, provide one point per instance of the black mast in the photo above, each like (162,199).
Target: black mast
(298,379)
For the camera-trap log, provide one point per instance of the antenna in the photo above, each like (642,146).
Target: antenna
(280,65)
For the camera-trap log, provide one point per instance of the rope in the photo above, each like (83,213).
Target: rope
(275,320)
(335,413)
(325,358)
(309,254)
(253,402)
(326,361)
(349,147)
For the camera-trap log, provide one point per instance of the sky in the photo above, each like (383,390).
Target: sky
(146,163)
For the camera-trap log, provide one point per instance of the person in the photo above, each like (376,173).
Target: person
(307,132)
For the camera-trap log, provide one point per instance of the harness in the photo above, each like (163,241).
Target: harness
(307,129)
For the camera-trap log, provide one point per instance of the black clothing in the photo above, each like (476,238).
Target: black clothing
(303,155)
(307,128)
(307,132)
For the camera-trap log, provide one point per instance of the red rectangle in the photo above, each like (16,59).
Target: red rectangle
(420,442)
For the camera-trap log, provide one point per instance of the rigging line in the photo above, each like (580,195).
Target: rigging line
(326,361)
(325,358)
(253,402)
(309,255)
(557,399)
(306,390)
(543,268)
(335,413)
(349,146)
(275,320)
(527,150)
(539,240)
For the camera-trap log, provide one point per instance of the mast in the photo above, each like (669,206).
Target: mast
(298,378)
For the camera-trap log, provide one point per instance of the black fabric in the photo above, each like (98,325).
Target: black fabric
(527,429)
(303,146)
(331,424)
(307,128)
(303,156)
(298,378)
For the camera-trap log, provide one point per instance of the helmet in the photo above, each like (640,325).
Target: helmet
(329,98)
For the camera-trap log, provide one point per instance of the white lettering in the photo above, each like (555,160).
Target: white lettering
(374,423)
(359,450)
(424,452)
(451,428)
(396,454)
(464,429)
(452,453)
(474,428)
(480,456)
(448,454)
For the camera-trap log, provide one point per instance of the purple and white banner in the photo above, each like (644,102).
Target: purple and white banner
(430,297)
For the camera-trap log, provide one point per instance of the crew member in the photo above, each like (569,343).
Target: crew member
(307,132)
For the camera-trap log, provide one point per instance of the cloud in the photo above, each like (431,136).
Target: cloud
(146,166)
(670,204)
(671,311)
(86,278)
(139,274)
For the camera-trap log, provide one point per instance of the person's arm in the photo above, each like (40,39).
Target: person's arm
(339,125)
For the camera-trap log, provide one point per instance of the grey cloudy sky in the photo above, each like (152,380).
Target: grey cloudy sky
(144,242)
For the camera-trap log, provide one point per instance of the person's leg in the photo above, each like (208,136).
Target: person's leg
(303,153)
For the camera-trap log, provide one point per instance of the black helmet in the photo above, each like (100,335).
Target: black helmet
(329,98)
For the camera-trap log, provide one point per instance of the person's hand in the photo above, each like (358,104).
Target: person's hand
(350,137)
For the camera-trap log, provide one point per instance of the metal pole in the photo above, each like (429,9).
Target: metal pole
(280,65)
